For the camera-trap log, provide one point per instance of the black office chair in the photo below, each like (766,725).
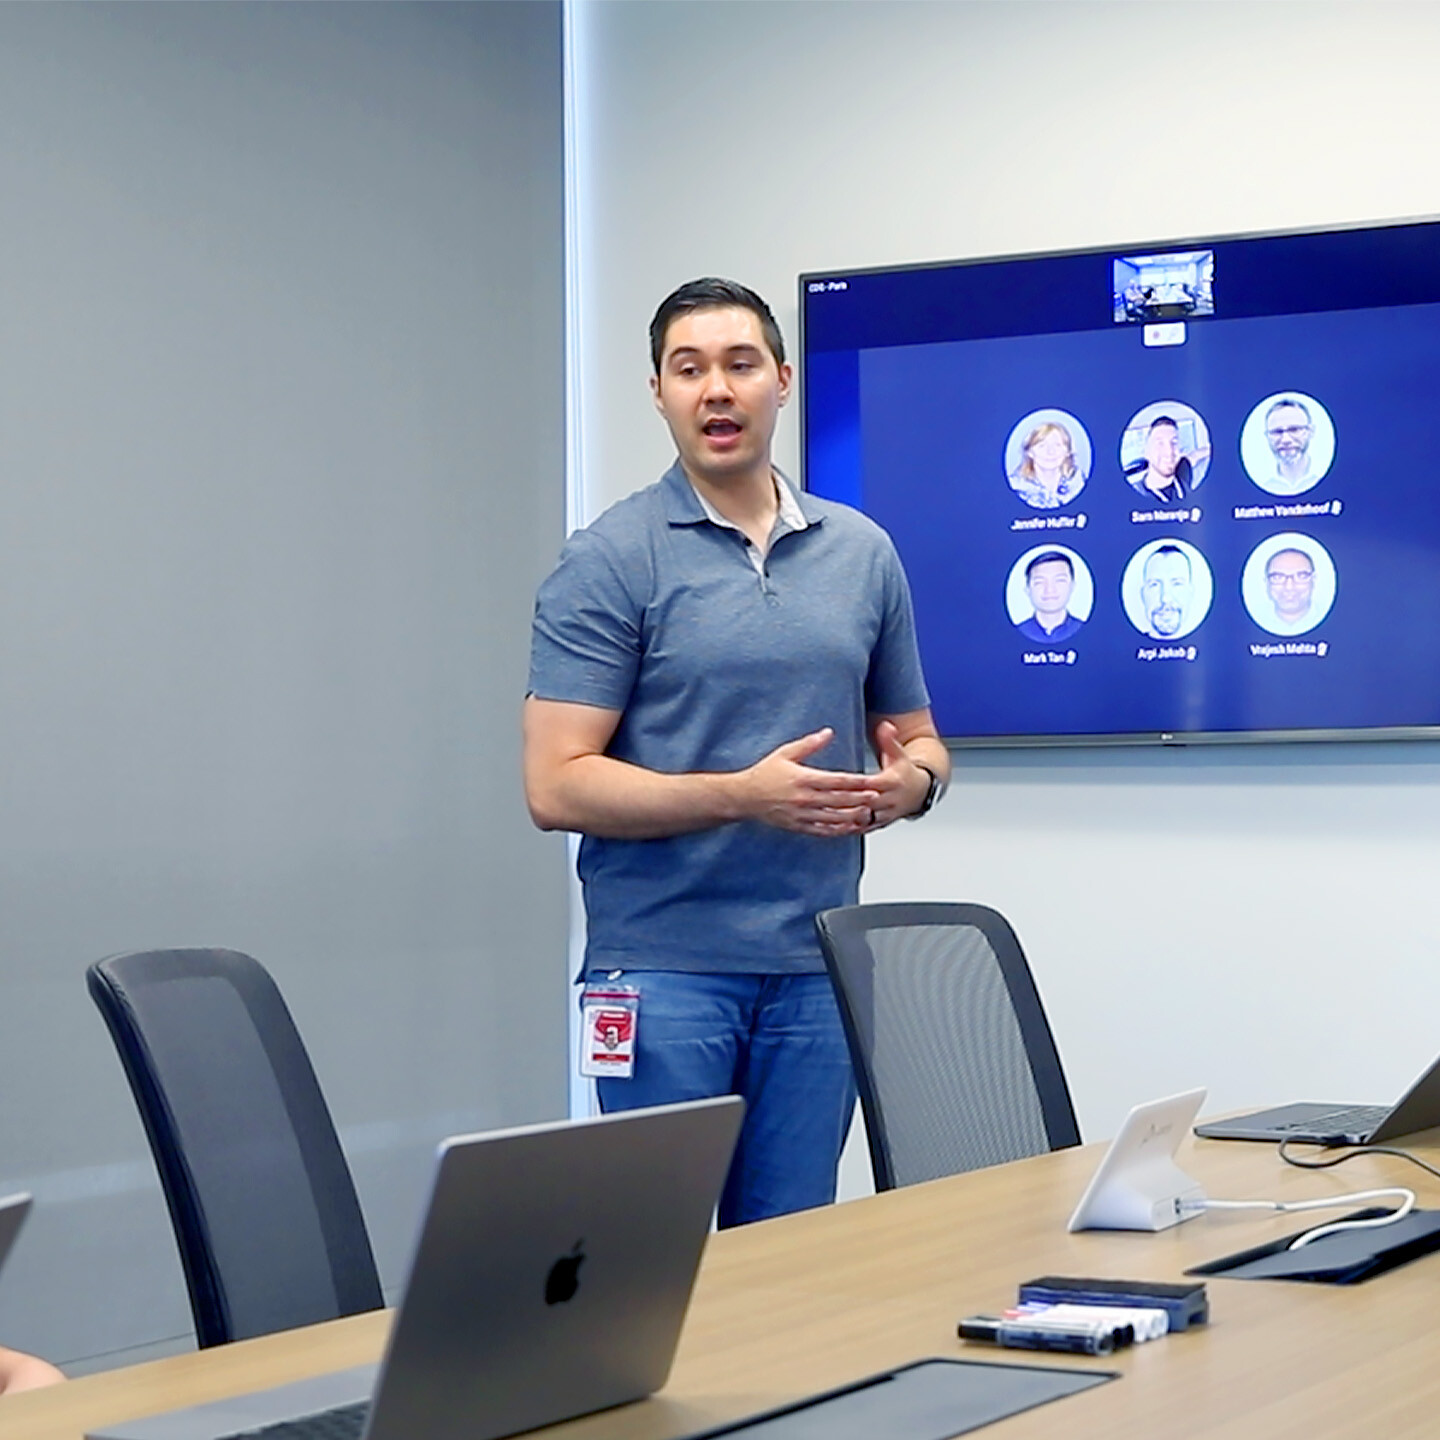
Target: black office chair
(954,1059)
(265,1212)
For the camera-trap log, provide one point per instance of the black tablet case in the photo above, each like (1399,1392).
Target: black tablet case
(1345,1258)
(929,1400)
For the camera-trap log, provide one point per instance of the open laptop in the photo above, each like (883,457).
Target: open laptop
(1315,1124)
(553,1272)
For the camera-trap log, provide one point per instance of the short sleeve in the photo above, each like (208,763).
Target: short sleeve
(895,684)
(585,642)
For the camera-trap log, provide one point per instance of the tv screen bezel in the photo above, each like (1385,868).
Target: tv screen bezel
(1146,738)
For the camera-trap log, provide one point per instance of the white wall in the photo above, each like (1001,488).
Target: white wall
(1192,916)
(281,410)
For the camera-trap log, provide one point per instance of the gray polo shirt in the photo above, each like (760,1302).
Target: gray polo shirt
(658,612)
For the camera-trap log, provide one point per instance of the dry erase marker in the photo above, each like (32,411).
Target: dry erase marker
(1148,1324)
(1103,1321)
(1078,1339)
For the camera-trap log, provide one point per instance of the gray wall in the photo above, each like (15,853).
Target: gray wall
(281,447)
(1193,918)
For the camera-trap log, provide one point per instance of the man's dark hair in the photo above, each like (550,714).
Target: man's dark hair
(1047,555)
(712,294)
(1171,550)
(1160,420)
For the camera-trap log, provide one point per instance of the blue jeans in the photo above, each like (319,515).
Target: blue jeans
(777,1041)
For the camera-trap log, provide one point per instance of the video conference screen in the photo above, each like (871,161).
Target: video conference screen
(1157,492)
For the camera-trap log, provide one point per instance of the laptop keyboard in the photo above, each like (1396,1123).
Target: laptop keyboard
(344,1422)
(1357,1120)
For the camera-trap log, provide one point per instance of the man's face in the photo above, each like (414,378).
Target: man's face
(1290,579)
(1165,591)
(1049,586)
(1162,450)
(720,392)
(1288,432)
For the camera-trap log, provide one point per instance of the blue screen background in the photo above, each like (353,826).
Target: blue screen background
(914,434)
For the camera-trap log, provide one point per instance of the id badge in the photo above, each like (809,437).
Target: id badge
(610,1016)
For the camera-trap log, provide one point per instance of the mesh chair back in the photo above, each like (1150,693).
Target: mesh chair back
(954,1058)
(264,1208)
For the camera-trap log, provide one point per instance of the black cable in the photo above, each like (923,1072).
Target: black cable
(1351,1155)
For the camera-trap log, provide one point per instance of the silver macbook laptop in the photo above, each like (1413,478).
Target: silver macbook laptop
(553,1272)
(1417,1109)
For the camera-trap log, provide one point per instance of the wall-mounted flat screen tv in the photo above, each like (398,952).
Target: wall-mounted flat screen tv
(1154,492)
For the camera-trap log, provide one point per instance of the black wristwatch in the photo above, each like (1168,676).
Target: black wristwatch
(936,790)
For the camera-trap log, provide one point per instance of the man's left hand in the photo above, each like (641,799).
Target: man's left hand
(901,784)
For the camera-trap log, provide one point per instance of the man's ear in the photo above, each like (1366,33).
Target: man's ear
(787,374)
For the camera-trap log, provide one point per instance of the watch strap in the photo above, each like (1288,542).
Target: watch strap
(932,794)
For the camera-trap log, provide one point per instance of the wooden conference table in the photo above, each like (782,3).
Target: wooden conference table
(812,1301)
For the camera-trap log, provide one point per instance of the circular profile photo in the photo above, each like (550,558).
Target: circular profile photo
(1048,458)
(1287,443)
(1166,589)
(1288,584)
(1165,452)
(1049,594)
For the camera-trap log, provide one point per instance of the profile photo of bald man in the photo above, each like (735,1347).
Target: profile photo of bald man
(1166,581)
(1288,584)
(1167,589)
(1164,452)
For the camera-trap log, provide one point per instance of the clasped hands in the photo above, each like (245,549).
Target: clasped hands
(791,795)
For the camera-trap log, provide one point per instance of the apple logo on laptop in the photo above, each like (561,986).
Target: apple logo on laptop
(564,1278)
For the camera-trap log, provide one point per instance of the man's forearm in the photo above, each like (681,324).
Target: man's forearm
(571,784)
(599,795)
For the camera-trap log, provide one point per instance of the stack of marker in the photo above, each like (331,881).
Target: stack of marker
(1079,1329)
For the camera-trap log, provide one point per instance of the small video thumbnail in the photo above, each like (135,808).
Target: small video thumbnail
(1150,289)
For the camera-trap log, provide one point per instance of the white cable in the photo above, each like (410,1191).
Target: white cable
(1406,1197)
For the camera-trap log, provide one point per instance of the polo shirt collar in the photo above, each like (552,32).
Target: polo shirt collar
(684,505)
